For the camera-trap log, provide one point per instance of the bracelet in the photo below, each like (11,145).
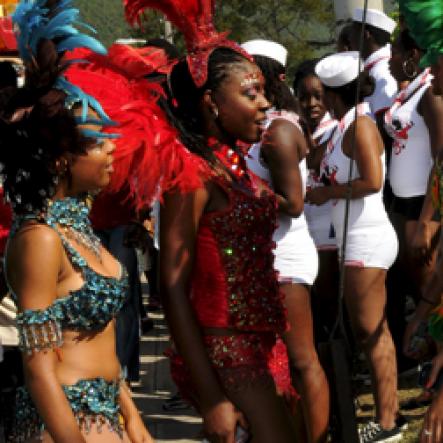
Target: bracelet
(426,300)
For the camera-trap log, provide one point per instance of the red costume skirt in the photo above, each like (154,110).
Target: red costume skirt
(240,360)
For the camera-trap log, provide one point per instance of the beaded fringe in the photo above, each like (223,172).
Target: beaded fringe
(85,423)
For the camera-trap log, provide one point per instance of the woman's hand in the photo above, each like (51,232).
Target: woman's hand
(432,431)
(318,196)
(220,422)
(421,243)
(137,431)
(410,331)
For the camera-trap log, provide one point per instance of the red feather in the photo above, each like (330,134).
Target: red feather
(148,156)
(194,19)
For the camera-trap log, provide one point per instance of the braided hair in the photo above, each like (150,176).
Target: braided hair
(183,108)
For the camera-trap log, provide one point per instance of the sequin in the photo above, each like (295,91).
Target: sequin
(94,401)
(89,308)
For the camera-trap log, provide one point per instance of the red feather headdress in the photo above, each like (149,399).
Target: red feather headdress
(194,19)
(149,156)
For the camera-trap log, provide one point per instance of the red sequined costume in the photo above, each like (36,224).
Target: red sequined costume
(234,286)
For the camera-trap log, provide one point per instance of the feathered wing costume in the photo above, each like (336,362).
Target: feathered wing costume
(149,156)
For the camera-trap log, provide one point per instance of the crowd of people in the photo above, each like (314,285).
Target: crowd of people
(265,198)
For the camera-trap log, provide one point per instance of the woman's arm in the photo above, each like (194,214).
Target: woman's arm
(33,265)
(282,148)
(431,109)
(368,147)
(180,215)
(134,425)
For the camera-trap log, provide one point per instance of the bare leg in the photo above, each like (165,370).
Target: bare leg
(307,373)
(268,417)
(365,296)
(420,271)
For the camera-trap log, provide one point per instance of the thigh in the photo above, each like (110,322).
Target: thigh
(300,338)
(267,414)
(365,297)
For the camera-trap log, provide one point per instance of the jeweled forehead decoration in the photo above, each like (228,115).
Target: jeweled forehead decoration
(251,78)
(194,18)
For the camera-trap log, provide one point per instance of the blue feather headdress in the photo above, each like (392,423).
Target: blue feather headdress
(37,21)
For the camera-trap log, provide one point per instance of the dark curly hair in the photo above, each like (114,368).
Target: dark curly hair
(34,133)
(183,108)
(276,89)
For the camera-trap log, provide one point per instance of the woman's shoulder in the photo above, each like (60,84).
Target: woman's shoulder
(283,116)
(35,237)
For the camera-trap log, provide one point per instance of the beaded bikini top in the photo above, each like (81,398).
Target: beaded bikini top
(99,299)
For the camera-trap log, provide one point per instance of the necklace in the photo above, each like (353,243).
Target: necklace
(229,158)
(72,215)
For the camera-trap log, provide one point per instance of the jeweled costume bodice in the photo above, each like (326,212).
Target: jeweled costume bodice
(234,284)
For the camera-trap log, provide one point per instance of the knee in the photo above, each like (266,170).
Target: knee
(370,337)
(303,360)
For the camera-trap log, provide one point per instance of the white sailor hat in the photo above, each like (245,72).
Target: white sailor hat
(268,48)
(375,18)
(338,69)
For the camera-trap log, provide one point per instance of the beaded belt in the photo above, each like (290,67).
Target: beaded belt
(93,401)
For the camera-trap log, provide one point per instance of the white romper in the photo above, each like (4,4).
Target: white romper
(319,217)
(296,257)
(371,240)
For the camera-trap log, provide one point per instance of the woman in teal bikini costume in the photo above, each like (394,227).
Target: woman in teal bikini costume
(55,149)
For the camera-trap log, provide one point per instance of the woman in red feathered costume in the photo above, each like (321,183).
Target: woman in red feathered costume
(220,291)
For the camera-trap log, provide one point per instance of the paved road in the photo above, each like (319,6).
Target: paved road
(157,386)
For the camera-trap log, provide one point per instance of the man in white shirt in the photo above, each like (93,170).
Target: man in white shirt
(376,54)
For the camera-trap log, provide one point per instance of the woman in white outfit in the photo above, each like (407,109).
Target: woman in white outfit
(371,242)
(414,123)
(311,98)
(280,159)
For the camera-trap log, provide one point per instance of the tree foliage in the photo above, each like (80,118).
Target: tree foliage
(304,27)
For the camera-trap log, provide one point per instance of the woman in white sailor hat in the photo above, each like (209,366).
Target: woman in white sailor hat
(371,240)
(376,53)
(280,159)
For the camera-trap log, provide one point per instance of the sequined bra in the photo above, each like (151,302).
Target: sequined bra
(234,284)
(91,307)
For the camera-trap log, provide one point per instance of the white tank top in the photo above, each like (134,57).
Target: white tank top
(256,165)
(411,160)
(364,212)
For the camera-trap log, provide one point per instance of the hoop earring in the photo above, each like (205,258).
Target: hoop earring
(409,69)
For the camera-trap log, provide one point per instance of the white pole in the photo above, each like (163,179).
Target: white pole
(168,32)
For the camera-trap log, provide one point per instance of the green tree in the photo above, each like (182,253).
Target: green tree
(305,27)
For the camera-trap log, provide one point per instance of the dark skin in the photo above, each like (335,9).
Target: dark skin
(37,287)
(365,292)
(283,147)
(240,113)
(421,235)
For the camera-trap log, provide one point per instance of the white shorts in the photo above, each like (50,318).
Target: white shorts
(296,258)
(371,247)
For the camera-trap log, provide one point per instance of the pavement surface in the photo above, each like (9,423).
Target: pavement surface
(156,386)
